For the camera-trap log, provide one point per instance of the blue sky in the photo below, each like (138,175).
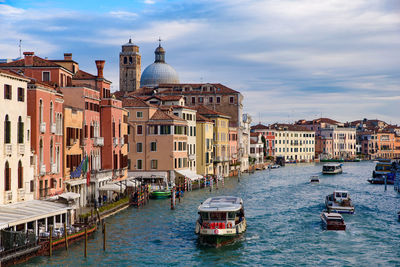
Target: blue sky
(290,59)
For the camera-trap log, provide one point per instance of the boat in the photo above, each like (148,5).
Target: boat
(332,168)
(333,221)
(221,220)
(339,202)
(383,168)
(381,180)
(314,179)
(160,194)
(275,166)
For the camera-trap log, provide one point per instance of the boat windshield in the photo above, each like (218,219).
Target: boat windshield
(328,168)
(218,216)
(204,215)
(380,167)
(231,215)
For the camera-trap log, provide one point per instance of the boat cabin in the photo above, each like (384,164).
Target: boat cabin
(221,212)
(340,196)
(331,167)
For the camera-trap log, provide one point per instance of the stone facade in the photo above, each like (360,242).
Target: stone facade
(129,67)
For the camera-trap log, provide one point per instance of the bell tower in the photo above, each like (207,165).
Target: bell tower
(129,67)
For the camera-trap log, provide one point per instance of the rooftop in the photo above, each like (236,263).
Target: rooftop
(221,203)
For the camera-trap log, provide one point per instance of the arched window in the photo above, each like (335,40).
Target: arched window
(7,177)
(130,60)
(7,130)
(119,128)
(125,60)
(51,151)
(20,131)
(58,159)
(40,110)
(20,175)
(41,152)
(51,113)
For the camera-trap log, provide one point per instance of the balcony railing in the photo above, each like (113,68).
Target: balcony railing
(44,192)
(98,141)
(42,169)
(7,149)
(121,141)
(42,127)
(21,149)
(115,141)
(8,197)
(54,168)
(53,128)
(21,194)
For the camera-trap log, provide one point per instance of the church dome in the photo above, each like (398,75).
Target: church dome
(159,72)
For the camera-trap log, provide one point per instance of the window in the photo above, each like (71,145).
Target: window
(218,99)
(139,114)
(231,99)
(41,110)
(210,99)
(7,130)
(153,129)
(153,146)
(7,177)
(193,100)
(20,175)
(153,164)
(51,113)
(20,131)
(7,92)
(21,94)
(139,164)
(139,129)
(125,60)
(46,76)
(139,147)
(201,99)
(165,129)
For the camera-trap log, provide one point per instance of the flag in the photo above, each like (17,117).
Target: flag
(88,178)
(85,165)
(78,171)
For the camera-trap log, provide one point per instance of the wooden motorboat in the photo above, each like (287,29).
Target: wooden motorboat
(333,221)
(314,179)
(339,202)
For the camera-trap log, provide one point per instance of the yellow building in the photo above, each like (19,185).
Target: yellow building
(220,137)
(204,142)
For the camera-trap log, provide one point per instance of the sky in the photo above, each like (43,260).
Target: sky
(291,59)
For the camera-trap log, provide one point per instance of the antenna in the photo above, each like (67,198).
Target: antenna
(20,54)
(159,41)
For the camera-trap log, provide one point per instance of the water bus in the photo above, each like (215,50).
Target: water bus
(332,168)
(339,202)
(333,221)
(314,179)
(221,220)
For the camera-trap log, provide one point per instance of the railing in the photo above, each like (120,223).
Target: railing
(42,127)
(8,197)
(98,141)
(121,141)
(115,141)
(53,128)
(7,149)
(44,192)
(21,149)
(42,169)
(54,168)
(21,195)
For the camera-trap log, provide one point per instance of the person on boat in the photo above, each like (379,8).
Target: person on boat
(99,199)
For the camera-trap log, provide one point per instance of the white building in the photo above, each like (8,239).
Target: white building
(244,145)
(343,141)
(16,184)
(256,148)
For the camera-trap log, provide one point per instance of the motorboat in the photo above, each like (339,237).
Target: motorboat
(314,179)
(221,220)
(332,168)
(339,202)
(382,168)
(275,166)
(381,180)
(333,221)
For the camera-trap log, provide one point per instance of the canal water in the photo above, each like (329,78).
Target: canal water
(284,228)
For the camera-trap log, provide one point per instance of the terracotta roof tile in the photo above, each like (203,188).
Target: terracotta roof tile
(203,110)
(175,88)
(134,102)
(202,118)
(160,115)
(83,75)
(259,127)
(37,62)
(13,73)
(289,127)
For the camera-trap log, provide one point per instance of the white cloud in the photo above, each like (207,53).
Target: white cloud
(123,14)
(149,2)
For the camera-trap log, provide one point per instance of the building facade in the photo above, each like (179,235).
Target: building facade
(204,141)
(129,67)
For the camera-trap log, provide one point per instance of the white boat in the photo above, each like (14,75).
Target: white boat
(221,220)
(333,221)
(314,179)
(275,166)
(332,168)
(339,202)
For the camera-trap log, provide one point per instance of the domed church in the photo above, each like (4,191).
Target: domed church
(156,73)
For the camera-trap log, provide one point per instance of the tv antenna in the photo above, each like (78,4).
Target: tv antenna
(20,54)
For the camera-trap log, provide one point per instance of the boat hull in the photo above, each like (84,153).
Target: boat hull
(218,240)
(379,181)
(160,194)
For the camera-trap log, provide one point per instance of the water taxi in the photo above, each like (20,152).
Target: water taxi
(339,202)
(221,220)
(333,221)
(382,168)
(314,179)
(332,168)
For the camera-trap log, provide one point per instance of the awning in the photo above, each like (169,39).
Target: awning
(146,175)
(112,187)
(28,211)
(69,196)
(189,174)
(127,183)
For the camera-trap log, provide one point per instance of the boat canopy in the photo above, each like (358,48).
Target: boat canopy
(332,165)
(332,215)
(189,174)
(221,203)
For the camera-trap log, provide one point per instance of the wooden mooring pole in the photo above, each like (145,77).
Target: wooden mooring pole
(104,236)
(85,241)
(66,235)
(51,241)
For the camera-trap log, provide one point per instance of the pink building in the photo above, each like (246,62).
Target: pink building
(45,107)
(233,150)
(269,135)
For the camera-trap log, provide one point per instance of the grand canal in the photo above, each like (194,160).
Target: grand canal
(284,228)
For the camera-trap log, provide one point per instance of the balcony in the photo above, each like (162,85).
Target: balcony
(54,168)
(21,149)
(21,195)
(8,197)
(42,169)
(98,141)
(115,141)
(42,127)
(53,128)
(7,149)
(121,141)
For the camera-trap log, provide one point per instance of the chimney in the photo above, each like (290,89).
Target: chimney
(67,56)
(28,58)
(100,67)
